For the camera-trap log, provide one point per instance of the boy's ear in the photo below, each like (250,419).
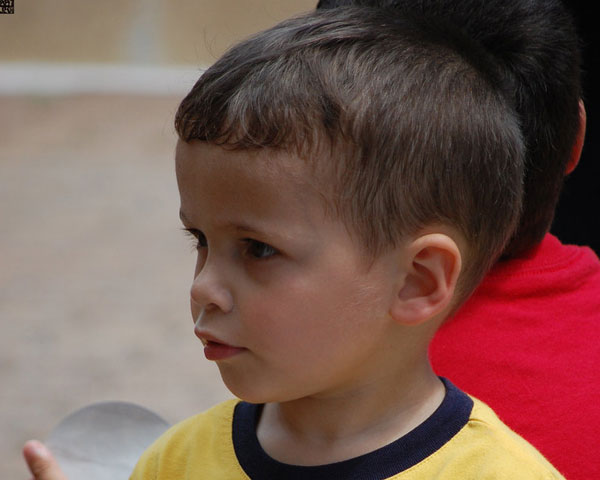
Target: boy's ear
(579,139)
(432,269)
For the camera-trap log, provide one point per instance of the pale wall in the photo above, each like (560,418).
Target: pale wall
(135,31)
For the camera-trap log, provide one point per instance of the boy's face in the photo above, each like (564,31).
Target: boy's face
(283,299)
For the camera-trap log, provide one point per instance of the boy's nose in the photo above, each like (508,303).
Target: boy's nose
(209,293)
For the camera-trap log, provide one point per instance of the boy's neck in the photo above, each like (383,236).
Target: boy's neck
(323,430)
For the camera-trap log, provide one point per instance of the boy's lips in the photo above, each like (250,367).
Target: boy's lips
(216,349)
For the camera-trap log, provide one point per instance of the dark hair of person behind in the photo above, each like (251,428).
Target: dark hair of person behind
(536,47)
(406,121)
(576,219)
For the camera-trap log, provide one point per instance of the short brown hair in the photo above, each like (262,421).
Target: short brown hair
(535,46)
(420,129)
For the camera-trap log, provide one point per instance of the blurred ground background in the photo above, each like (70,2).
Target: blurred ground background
(94,272)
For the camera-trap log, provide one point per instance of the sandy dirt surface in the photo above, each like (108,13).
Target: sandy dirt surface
(94,271)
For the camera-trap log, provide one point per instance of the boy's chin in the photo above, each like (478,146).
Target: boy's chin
(262,390)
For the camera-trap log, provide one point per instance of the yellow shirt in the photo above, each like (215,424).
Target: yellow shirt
(463,440)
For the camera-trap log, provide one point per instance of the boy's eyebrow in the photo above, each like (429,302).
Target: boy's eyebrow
(240,227)
(244,227)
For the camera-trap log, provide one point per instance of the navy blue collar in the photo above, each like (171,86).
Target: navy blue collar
(450,417)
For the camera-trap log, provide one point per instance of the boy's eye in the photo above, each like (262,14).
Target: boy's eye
(257,249)
(200,239)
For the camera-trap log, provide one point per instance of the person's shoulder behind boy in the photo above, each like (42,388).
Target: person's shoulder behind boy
(527,343)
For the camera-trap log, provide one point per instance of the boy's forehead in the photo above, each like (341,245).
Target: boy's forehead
(255,176)
(268,164)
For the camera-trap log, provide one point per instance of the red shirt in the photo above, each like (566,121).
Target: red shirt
(528,344)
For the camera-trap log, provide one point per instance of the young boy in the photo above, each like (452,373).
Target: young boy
(348,177)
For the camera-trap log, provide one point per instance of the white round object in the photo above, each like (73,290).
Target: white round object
(103,441)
